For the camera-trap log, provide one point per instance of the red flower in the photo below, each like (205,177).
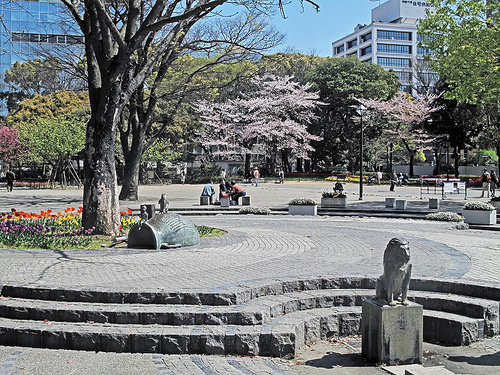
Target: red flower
(129,211)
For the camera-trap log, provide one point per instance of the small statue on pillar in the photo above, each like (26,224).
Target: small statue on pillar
(143,216)
(163,204)
(395,281)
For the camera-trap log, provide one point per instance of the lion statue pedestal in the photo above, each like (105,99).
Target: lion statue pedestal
(391,326)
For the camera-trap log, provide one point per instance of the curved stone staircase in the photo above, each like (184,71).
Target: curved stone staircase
(266,317)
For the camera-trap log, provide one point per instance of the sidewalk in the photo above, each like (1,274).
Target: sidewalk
(255,248)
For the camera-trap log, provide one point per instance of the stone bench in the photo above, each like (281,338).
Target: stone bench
(401,204)
(204,200)
(245,200)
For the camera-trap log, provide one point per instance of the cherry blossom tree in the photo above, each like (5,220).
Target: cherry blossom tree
(404,118)
(10,147)
(273,115)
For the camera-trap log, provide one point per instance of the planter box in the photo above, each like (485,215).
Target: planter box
(333,202)
(495,204)
(294,209)
(390,202)
(480,217)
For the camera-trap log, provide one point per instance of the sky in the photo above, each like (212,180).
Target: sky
(307,31)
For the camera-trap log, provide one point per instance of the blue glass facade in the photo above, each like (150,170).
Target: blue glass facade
(29,27)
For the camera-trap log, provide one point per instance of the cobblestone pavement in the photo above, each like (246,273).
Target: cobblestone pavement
(255,247)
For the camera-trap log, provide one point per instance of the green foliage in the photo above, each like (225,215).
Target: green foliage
(420,156)
(464,36)
(26,79)
(205,231)
(340,82)
(52,127)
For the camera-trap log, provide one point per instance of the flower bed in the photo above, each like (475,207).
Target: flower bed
(255,210)
(44,230)
(445,216)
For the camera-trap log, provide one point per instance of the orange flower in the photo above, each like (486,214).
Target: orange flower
(123,213)
(129,211)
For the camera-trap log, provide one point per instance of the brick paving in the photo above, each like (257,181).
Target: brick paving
(255,248)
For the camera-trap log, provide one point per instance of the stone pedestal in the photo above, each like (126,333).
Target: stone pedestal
(434,203)
(151,210)
(390,202)
(224,202)
(204,200)
(401,204)
(392,334)
(245,200)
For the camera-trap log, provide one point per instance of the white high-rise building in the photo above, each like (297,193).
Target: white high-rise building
(391,40)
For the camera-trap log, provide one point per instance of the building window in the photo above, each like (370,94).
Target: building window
(352,43)
(389,61)
(424,51)
(393,35)
(404,76)
(355,53)
(339,49)
(394,48)
(47,38)
(366,51)
(366,37)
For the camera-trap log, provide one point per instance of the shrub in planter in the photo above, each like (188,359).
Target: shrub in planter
(332,194)
(478,205)
(476,212)
(256,210)
(302,202)
(445,216)
(303,206)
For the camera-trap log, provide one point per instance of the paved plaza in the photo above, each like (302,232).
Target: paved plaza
(254,248)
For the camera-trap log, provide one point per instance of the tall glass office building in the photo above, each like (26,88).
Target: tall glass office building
(36,29)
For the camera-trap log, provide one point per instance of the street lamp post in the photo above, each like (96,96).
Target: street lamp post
(361,110)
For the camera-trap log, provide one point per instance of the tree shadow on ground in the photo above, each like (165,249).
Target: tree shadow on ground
(492,359)
(333,359)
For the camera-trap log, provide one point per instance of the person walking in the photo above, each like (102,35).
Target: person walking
(394,179)
(256,176)
(493,182)
(10,177)
(485,183)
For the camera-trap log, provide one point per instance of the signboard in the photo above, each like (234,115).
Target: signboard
(453,187)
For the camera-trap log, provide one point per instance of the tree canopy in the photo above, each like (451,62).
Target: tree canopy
(51,127)
(341,82)
(464,37)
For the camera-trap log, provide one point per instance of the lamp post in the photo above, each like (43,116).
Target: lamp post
(447,157)
(361,110)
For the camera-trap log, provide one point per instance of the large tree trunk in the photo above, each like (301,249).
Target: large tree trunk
(100,193)
(130,186)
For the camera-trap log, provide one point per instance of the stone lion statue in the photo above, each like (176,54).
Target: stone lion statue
(394,282)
